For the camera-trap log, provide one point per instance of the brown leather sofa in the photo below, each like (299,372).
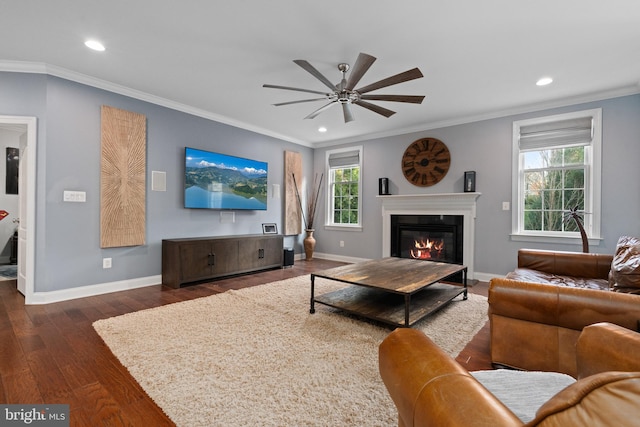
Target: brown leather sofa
(573,269)
(535,326)
(619,272)
(538,311)
(429,388)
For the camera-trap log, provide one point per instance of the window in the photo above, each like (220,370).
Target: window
(557,168)
(344,187)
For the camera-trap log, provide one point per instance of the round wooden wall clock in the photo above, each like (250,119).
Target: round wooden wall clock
(425,162)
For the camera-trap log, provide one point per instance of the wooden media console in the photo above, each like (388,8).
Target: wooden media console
(199,258)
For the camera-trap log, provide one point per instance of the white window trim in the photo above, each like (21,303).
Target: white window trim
(329,225)
(594,180)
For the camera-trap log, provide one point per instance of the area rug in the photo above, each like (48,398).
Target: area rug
(8,272)
(257,357)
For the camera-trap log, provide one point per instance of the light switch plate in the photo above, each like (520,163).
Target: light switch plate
(74,196)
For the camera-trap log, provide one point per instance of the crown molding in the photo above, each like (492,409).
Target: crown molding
(63,73)
(522,109)
(52,70)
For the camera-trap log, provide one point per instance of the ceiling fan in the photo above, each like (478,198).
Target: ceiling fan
(344,93)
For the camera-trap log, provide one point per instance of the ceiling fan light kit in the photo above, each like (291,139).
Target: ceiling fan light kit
(345,94)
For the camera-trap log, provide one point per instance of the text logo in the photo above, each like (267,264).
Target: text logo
(34,415)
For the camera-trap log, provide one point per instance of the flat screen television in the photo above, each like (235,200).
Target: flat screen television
(220,181)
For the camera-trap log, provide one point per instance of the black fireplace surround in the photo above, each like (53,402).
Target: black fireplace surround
(428,237)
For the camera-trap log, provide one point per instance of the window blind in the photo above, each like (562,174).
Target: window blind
(572,132)
(344,158)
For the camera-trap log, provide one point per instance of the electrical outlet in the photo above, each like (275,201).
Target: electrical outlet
(106,262)
(342,243)
(506,206)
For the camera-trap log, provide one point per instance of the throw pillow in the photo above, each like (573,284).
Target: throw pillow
(523,392)
(625,268)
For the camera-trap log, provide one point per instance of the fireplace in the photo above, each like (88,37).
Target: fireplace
(457,226)
(428,237)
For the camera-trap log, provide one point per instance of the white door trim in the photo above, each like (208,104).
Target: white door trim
(29,217)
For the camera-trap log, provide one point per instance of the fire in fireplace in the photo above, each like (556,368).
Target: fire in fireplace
(427,237)
(427,249)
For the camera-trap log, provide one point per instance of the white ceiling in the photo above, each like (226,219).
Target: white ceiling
(480,59)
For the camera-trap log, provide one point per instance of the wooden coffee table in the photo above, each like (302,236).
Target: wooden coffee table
(396,291)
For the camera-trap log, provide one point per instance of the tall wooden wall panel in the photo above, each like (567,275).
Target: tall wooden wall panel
(122,178)
(292,213)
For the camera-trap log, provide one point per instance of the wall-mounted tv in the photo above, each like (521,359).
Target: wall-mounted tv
(219,181)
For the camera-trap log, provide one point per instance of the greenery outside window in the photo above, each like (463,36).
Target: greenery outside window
(344,187)
(556,168)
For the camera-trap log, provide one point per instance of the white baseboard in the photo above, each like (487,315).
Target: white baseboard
(141,282)
(486,277)
(339,258)
(93,290)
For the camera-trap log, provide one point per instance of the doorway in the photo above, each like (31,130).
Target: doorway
(25,220)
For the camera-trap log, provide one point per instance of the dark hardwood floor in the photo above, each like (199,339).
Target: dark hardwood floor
(51,353)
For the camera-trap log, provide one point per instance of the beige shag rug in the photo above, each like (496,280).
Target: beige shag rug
(256,357)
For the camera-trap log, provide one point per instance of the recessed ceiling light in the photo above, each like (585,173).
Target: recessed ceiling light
(95,45)
(544,81)
(322,129)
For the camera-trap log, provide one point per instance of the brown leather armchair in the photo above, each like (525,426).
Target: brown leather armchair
(429,388)
(536,326)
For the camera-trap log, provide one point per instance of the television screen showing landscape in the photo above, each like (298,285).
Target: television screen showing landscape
(219,181)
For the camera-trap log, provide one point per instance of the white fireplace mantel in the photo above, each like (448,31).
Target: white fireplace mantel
(433,204)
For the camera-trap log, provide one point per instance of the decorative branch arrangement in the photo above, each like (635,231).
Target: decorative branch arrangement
(312,200)
(577,217)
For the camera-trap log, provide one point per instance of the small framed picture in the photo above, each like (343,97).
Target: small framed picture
(269,228)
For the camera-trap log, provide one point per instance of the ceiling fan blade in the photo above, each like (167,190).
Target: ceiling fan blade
(414,99)
(361,66)
(346,110)
(317,74)
(298,102)
(294,88)
(320,110)
(393,80)
(375,108)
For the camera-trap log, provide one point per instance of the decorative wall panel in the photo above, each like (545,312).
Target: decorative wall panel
(122,178)
(292,213)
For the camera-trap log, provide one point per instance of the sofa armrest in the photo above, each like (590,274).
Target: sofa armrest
(577,264)
(606,347)
(601,400)
(429,388)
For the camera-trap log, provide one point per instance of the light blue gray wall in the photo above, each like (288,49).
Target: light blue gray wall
(68,250)
(485,147)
